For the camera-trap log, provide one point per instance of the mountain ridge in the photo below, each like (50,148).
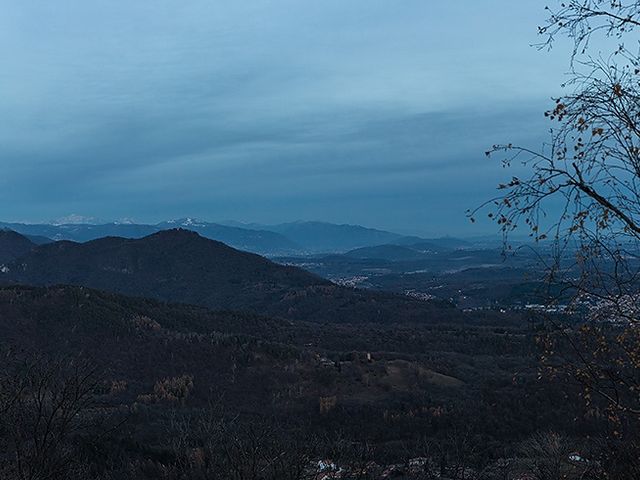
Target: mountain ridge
(293,238)
(262,242)
(181,266)
(13,245)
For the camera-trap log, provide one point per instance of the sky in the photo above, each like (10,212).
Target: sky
(361,111)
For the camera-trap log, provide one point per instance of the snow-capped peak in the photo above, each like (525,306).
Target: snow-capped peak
(187,222)
(75,219)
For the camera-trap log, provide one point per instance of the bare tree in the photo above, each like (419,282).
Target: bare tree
(45,405)
(582,193)
(215,445)
(547,456)
(584,185)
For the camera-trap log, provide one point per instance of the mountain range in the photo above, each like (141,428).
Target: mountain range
(329,237)
(257,241)
(272,240)
(181,266)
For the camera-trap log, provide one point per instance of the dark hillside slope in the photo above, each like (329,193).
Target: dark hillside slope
(137,342)
(181,266)
(176,265)
(421,378)
(13,246)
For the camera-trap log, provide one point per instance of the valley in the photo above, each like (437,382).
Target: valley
(430,355)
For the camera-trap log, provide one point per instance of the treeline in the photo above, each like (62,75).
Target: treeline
(58,422)
(132,388)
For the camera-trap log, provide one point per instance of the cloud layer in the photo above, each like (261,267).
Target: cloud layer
(365,111)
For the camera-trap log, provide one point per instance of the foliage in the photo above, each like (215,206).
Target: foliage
(582,192)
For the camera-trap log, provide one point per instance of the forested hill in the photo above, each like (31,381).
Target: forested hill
(181,266)
(13,245)
(159,362)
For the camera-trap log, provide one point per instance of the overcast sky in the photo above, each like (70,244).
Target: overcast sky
(350,111)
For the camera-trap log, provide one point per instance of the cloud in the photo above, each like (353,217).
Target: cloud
(266,111)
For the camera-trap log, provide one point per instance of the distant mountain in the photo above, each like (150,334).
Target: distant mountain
(251,240)
(323,237)
(271,240)
(409,249)
(264,242)
(75,219)
(329,237)
(39,240)
(87,232)
(13,246)
(181,266)
(33,230)
(81,232)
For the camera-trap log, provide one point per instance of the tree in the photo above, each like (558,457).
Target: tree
(211,444)
(582,192)
(45,406)
(549,457)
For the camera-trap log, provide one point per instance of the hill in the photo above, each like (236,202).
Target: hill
(13,246)
(171,372)
(177,265)
(329,237)
(39,239)
(181,266)
(302,237)
(257,241)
